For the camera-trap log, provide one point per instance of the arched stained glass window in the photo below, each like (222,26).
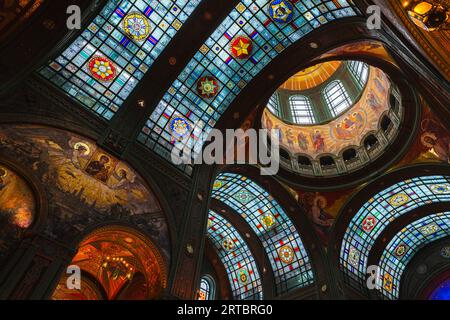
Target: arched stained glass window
(282,243)
(337,98)
(262,37)
(301,110)
(378,212)
(405,244)
(360,72)
(273,104)
(207,288)
(105,63)
(236,257)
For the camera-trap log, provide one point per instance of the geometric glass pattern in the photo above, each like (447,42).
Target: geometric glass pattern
(360,72)
(241,267)
(301,110)
(384,207)
(130,33)
(413,239)
(281,241)
(273,104)
(269,38)
(206,291)
(337,98)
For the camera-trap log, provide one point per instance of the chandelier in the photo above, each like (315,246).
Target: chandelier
(117,268)
(429,15)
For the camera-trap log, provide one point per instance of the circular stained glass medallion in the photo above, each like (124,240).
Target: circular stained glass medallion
(281,11)
(286,254)
(241,47)
(136,26)
(102,69)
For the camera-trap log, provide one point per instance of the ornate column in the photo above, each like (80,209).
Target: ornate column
(188,257)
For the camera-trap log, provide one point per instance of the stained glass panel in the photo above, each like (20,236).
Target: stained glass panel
(237,258)
(402,248)
(281,241)
(250,37)
(125,39)
(377,213)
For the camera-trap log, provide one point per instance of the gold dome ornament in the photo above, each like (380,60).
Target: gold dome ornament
(429,15)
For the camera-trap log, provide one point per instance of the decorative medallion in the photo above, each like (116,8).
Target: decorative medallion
(228,244)
(387,282)
(180,127)
(353,257)
(440,188)
(102,68)
(241,47)
(369,223)
(429,229)
(243,276)
(400,250)
(268,221)
(136,26)
(281,11)
(286,254)
(399,200)
(244,196)
(445,252)
(217,184)
(207,87)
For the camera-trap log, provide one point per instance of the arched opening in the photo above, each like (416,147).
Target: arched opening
(285,155)
(370,142)
(349,154)
(304,161)
(207,288)
(116,263)
(327,161)
(385,123)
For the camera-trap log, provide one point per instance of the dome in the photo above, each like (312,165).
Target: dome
(334,117)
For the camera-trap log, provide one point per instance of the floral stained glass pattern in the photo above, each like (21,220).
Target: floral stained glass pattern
(130,35)
(290,262)
(243,45)
(378,212)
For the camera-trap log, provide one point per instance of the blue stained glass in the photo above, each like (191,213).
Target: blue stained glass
(405,244)
(250,19)
(377,213)
(107,36)
(442,292)
(236,258)
(281,241)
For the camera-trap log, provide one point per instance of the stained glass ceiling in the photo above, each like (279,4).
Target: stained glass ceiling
(378,212)
(282,243)
(402,248)
(107,61)
(252,35)
(243,274)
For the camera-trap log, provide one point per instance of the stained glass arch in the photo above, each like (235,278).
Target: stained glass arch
(249,38)
(404,245)
(207,290)
(378,212)
(281,241)
(242,270)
